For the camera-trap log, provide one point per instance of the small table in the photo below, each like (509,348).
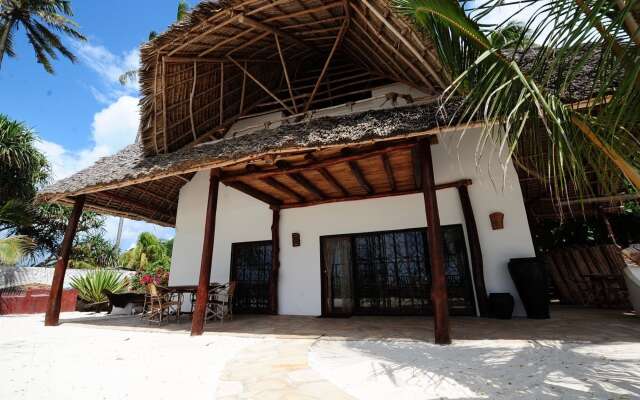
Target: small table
(191,290)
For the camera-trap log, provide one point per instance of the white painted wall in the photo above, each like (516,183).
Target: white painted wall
(241,218)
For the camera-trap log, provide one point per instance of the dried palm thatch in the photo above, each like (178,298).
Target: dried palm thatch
(232,58)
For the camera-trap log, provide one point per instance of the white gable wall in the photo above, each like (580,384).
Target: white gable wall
(241,218)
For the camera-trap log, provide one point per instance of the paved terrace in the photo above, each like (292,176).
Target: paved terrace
(579,353)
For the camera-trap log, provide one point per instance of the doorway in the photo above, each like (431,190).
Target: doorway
(387,273)
(251,270)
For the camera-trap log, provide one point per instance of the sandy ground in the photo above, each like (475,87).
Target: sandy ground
(78,362)
(89,361)
(490,369)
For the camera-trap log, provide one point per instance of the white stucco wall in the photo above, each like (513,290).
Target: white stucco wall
(241,218)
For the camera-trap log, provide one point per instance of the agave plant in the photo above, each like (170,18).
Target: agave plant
(523,85)
(90,287)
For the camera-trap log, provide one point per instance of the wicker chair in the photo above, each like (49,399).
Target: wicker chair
(159,305)
(220,304)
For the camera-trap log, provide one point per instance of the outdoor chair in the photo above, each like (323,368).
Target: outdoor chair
(220,304)
(159,305)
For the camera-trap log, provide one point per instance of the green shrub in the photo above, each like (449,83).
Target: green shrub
(91,285)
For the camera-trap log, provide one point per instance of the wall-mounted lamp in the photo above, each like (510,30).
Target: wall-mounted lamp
(295,239)
(497,220)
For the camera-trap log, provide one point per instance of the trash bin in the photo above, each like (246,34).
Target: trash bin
(530,277)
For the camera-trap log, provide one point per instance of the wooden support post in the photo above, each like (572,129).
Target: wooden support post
(55,295)
(436,252)
(275,260)
(476,252)
(202,295)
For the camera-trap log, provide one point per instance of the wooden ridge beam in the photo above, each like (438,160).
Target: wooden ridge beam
(362,181)
(276,31)
(255,193)
(304,182)
(283,188)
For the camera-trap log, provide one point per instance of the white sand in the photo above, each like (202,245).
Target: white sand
(495,369)
(91,362)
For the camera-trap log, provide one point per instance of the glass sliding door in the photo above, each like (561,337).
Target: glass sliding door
(337,276)
(388,273)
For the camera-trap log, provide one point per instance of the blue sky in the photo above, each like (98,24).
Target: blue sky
(82,113)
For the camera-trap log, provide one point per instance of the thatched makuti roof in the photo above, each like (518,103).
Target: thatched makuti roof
(243,42)
(161,176)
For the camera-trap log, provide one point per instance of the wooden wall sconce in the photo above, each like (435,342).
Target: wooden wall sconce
(295,239)
(497,220)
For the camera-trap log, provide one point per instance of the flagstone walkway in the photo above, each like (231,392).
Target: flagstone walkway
(275,369)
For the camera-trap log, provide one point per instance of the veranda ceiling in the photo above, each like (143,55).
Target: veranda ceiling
(271,55)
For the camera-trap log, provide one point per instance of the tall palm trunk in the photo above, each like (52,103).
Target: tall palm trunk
(4,38)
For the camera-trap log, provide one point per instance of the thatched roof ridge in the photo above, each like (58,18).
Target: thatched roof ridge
(130,164)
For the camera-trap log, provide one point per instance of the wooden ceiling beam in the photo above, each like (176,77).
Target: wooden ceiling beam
(389,171)
(153,213)
(248,43)
(232,19)
(286,73)
(362,181)
(262,86)
(305,183)
(336,44)
(227,40)
(333,181)
(306,25)
(255,193)
(283,188)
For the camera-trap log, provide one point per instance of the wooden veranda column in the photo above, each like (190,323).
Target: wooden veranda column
(202,294)
(275,260)
(476,252)
(436,253)
(55,295)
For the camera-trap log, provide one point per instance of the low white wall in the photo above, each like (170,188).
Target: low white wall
(241,218)
(16,276)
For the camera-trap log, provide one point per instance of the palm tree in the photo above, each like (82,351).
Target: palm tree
(39,19)
(522,86)
(132,75)
(148,255)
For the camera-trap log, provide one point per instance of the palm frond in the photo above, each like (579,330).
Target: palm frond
(524,88)
(14,248)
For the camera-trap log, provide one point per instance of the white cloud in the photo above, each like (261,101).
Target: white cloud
(109,67)
(113,128)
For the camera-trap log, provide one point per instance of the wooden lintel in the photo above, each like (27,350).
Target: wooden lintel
(389,171)
(441,186)
(362,181)
(284,189)
(253,192)
(304,182)
(267,28)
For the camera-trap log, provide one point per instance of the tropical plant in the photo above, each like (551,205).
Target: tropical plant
(23,168)
(94,251)
(523,86)
(41,21)
(90,287)
(132,75)
(148,255)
